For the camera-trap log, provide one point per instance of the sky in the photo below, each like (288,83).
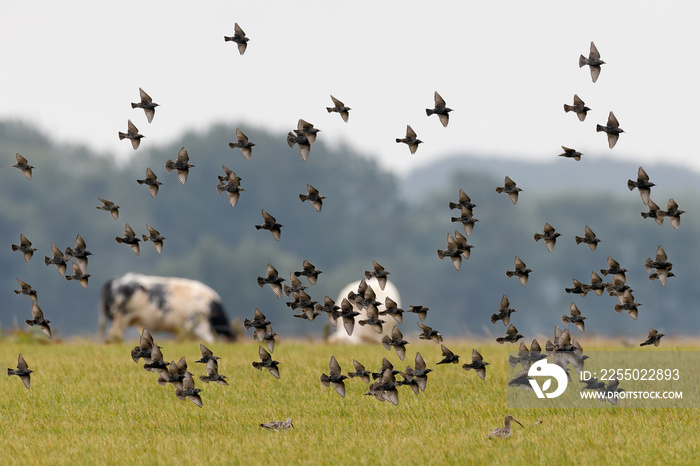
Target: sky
(505,68)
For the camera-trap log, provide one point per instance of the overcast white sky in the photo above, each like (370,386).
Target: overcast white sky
(506,68)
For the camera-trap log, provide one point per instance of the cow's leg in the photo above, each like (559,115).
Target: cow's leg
(116,331)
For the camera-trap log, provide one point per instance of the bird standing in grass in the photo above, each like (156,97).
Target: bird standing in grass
(506,430)
(278,425)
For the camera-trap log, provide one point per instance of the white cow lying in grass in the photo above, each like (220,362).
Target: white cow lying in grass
(362,334)
(162,304)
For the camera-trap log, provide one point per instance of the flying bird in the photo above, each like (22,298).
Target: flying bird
(151,181)
(302,141)
(22,371)
(448,356)
(207,355)
(267,362)
(56,259)
(27,290)
(296,285)
(504,312)
(372,319)
(654,338)
(243,144)
(549,235)
(360,372)
(464,201)
(411,139)
(427,333)
(392,309)
(239,38)
(79,276)
(155,360)
(272,278)
(588,238)
(466,218)
(259,323)
(661,264)
(422,311)
(453,252)
(340,108)
(613,268)
(575,317)
(335,378)
(23,165)
(509,188)
(331,310)
(579,108)
(440,109)
(477,364)
(39,321)
(420,372)
(213,374)
(174,373)
(612,128)
(270,224)
(144,348)
(511,335)
(231,183)
(189,391)
(147,104)
(570,153)
(348,314)
(578,287)
(396,341)
(642,184)
(110,207)
(521,271)
(593,61)
(309,271)
(130,239)
(132,133)
(24,246)
(312,195)
(627,304)
(181,164)
(673,213)
(155,237)
(377,272)
(79,253)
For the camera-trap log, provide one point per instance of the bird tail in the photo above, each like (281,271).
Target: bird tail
(599,128)
(257,365)
(499,189)
(118,239)
(169,166)
(509,273)
(568,108)
(330,109)
(291,139)
(10,372)
(631,184)
(228,39)
(29,322)
(441,254)
(133,105)
(582,61)
(500,340)
(303,197)
(566,319)
(121,135)
(385,343)
(47,261)
(429,111)
(453,205)
(261,282)
(578,239)
(325,380)
(513,361)
(398,140)
(618,308)
(648,264)
(494,318)
(538,236)
(15,247)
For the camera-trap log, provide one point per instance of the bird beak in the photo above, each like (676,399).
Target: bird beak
(519,423)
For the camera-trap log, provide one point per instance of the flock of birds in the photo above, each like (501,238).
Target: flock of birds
(382,384)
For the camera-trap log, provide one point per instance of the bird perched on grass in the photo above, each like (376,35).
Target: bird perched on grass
(213,374)
(270,224)
(673,213)
(278,425)
(129,238)
(360,372)
(335,378)
(309,271)
(448,357)
(23,166)
(110,207)
(267,362)
(509,187)
(181,165)
(379,273)
(243,144)
(571,153)
(588,238)
(504,312)
(26,289)
(574,317)
(79,253)
(239,38)
(642,184)
(612,128)
(79,276)
(396,341)
(654,212)
(440,109)
(39,321)
(147,104)
(312,195)
(132,133)
(273,279)
(25,247)
(511,335)
(661,264)
(339,107)
(56,259)
(593,61)
(144,348)
(189,391)
(411,139)
(579,108)
(521,271)
(151,181)
(155,237)
(549,235)
(477,364)
(654,338)
(22,371)
(302,140)
(392,309)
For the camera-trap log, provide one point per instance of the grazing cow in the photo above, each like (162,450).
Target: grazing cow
(366,334)
(162,304)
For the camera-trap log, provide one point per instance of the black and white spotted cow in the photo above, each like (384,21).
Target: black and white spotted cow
(162,304)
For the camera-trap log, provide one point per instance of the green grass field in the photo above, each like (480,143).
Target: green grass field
(89,403)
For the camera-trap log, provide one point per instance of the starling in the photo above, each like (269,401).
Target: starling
(593,384)
(597,286)
(181,164)
(627,304)
(296,285)
(411,139)
(23,165)
(521,380)
(612,129)
(259,323)
(521,271)
(549,236)
(39,321)
(239,38)
(174,373)
(575,317)
(309,271)
(477,364)
(213,373)
(372,319)
(147,104)
(348,314)
(579,288)
(673,213)
(611,390)
(427,333)
(133,134)
(25,246)
(409,379)
(589,238)
(155,237)
(613,268)
(270,224)
(392,309)
(56,259)
(302,140)
(396,340)
(110,207)
(617,287)
(441,110)
(272,278)
(579,108)
(385,388)
(151,181)
(511,336)
(313,196)
(448,356)
(144,348)
(654,212)
(504,312)
(269,338)
(379,273)
(653,338)
(340,108)
(26,289)
(243,144)
(593,61)
(307,129)
(79,276)
(267,362)
(335,378)
(155,360)
(386,365)
(420,372)
(305,304)
(231,183)
(189,391)
(130,239)
(527,357)
(509,188)
(359,372)
(79,253)
(661,264)
(22,371)
(466,218)
(571,153)
(453,252)
(278,425)
(207,355)
(642,184)
(422,311)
